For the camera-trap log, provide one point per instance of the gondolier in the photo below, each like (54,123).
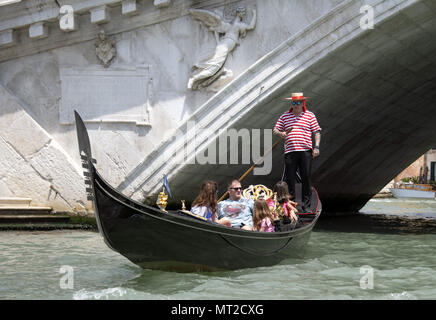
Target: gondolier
(296,126)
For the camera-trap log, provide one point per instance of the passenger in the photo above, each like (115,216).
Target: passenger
(286,207)
(237,209)
(263,217)
(205,205)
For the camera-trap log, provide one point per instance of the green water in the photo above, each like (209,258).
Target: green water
(401,266)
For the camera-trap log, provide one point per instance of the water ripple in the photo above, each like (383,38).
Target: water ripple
(402,266)
(105,294)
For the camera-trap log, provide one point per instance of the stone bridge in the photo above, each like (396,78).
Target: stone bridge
(371,87)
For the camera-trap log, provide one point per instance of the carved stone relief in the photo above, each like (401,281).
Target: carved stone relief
(105,49)
(227,35)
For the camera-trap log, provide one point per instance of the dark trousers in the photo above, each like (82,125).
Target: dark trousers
(301,160)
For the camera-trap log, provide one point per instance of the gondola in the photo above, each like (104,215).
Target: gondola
(175,241)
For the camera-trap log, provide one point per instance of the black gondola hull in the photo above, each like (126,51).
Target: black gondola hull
(152,238)
(170,241)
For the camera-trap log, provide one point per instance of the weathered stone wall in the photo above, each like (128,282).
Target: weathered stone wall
(38,143)
(32,163)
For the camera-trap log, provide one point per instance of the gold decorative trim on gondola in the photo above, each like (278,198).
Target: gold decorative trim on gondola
(256,192)
(260,191)
(162,201)
(193,215)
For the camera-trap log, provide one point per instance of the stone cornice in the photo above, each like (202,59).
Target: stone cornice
(27,12)
(16,20)
(30,11)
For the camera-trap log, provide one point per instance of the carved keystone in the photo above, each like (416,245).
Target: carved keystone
(105,49)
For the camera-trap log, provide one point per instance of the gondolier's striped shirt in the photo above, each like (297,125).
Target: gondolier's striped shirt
(300,138)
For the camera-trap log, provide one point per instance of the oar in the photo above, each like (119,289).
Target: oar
(255,164)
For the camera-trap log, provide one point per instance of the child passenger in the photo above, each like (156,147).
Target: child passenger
(263,217)
(286,207)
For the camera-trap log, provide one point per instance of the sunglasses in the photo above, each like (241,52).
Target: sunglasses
(238,188)
(296,103)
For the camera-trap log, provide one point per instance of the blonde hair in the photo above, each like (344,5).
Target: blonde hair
(261,211)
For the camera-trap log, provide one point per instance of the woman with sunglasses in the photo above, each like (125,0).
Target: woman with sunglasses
(296,126)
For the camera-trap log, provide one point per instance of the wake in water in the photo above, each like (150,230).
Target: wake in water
(378,254)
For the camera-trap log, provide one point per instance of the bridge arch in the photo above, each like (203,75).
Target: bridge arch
(372,90)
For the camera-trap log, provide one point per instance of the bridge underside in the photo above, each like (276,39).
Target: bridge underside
(375,99)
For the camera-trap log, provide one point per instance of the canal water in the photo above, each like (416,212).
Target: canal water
(386,252)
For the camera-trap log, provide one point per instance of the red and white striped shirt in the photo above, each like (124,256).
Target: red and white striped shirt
(300,138)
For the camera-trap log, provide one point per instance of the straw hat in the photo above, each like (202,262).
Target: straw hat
(297,96)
